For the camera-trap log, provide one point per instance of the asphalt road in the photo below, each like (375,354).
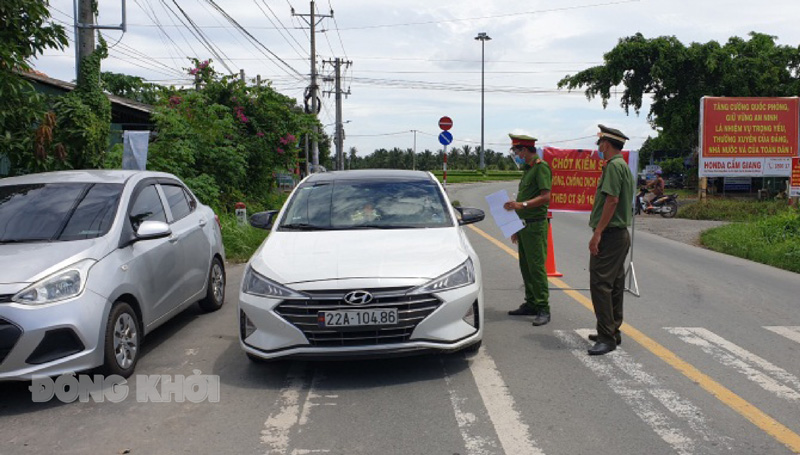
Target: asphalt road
(709,364)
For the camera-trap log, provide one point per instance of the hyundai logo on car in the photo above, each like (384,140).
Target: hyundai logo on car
(358,298)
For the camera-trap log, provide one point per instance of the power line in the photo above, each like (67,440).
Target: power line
(283,26)
(129,52)
(227,29)
(198,33)
(336,25)
(172,16)
(381,134)
(498,16)
(162,32)
(436,22)
(448,86)
(256,41)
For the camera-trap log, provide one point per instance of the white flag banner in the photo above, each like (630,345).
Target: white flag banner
(134,153)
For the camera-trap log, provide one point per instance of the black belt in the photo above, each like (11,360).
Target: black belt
(533,220)
(615,228)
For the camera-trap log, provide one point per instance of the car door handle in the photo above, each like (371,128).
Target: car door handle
(203,222)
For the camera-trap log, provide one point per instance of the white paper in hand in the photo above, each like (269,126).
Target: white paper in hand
(506,220)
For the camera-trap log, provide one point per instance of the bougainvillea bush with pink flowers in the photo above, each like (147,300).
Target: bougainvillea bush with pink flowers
(228,139)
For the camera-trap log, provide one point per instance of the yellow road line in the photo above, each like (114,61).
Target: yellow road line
(759,418)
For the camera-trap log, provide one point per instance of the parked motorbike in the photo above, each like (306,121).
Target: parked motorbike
(666,205)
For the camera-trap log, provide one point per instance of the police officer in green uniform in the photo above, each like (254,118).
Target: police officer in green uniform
(610,218)
(533,199)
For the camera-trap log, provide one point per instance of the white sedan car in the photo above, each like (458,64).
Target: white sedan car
(363,264)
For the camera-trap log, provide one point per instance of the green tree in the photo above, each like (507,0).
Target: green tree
(678,76)
(228,140)
(25,128)
(83,117)
(131,87)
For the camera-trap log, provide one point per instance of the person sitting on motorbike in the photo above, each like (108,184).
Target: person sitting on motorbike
(657,186)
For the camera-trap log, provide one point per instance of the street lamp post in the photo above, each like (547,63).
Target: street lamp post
(483,38)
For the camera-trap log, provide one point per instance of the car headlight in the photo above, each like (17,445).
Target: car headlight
(64,284)
(461,276)
(256,284)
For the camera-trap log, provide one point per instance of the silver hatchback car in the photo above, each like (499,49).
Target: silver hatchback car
(91,261)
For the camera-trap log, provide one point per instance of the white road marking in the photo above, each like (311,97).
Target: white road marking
(643,393)
(792,333)
(474,443)
(768,376)
(512,432)
(308,403)
(279,425)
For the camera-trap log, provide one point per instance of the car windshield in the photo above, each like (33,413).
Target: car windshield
(57,211)
(349,204)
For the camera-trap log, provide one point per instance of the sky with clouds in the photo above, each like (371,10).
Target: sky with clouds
(415,61)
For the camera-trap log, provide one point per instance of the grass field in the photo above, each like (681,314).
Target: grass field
(475,176)
(733,209)
(772,240)
(240,241)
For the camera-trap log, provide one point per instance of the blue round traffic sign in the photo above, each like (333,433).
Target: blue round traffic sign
(445,138)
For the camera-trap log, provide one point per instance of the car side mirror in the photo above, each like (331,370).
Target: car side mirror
(263,220)
(470,215)
(149,230)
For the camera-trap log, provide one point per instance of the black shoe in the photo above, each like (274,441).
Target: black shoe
(541,319)
(601,349)
(524,310)
(618,337)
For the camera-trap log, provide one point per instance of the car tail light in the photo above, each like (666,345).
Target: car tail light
(219,225)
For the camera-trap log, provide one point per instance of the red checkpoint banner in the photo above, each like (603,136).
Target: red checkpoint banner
(575,177)
(794,183)
(750,127)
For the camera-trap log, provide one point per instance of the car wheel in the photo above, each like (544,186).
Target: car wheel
(215,295)
(121,341)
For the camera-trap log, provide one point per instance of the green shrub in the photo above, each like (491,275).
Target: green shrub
(240,241)
(733,210)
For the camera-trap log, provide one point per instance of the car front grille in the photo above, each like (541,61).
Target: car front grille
(5,298)
(411,310)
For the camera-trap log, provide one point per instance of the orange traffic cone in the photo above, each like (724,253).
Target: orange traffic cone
(550,263)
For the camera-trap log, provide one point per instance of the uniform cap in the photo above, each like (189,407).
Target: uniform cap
(611,133)
(522,140)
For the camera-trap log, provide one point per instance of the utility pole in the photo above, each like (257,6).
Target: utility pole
(414,158)
(84,32)
(339,134)
(312,21)
(483,38)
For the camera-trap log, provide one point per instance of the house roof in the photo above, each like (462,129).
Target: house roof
(68,87)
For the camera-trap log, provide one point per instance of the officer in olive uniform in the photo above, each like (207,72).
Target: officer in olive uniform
(533,199)
(610,218)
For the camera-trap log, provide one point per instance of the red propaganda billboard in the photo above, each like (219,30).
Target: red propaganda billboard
(794,181)
(748,137)
(575,177)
